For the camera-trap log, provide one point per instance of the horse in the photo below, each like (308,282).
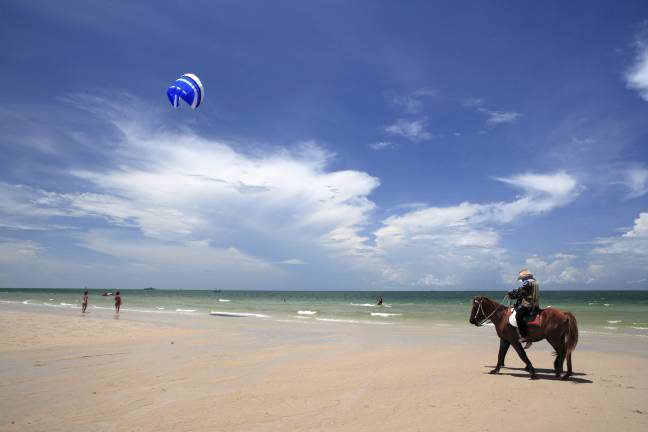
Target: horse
(558,327)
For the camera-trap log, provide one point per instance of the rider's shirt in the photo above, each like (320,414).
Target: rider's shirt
(531,289)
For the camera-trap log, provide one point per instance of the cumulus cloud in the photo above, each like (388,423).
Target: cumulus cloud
(559,269)
(623,258)
(175,188)
(464,238)
(637,76)
(413,130)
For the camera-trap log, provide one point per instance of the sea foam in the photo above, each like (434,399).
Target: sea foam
(306,312)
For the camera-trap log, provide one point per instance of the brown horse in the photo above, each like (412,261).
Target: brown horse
(558,327)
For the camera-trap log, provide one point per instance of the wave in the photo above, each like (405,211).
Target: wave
(640,328)
(66,304)
(224,300)
(611,328)
(185,310)
(306,312)
(614,322)
(238,314)
(350,321)
(159,308)
(364,304)
(383,314)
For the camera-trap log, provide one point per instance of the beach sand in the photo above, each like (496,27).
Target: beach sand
(61,371)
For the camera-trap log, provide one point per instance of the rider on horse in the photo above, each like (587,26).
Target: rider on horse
(528,301)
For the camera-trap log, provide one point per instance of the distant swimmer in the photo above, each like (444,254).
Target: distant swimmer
(380,301)
(84,301)
(118,301)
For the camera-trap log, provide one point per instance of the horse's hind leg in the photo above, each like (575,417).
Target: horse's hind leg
(529,367)
(569,367)
(559,346)
(504,346)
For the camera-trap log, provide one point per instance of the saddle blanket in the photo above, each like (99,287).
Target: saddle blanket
(530,319)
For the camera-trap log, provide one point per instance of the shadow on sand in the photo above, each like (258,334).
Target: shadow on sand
(542,373)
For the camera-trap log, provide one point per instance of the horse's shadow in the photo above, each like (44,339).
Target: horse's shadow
(542,373)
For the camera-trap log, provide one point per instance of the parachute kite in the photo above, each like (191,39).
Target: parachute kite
(188,88)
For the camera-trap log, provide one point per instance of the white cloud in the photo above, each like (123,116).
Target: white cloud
(12,251)
(380,145)
(623,258)
(414,130)
(175,189)
(500,117)
(469,224)
(430,280)
(464,238)
(560,269)
(292,261)
(473,102)
(412,102)
(543,193)
(636,179)
(637,76)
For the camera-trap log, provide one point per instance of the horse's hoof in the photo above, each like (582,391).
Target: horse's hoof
(533,375)
(565,377)
(528,368)
(494,372)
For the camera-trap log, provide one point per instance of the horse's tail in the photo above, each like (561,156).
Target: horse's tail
(571,335)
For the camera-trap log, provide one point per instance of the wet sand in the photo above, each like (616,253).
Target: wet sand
(61,371)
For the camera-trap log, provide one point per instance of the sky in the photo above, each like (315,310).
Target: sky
(365,145)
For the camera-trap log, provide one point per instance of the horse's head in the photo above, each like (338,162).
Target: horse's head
(476,305)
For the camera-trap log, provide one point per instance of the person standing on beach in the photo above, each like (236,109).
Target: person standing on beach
(84,301)
(117,301)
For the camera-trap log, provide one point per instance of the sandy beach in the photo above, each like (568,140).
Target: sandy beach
(61,371)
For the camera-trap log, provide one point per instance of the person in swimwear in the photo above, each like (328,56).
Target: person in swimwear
(84,301)
(118,301)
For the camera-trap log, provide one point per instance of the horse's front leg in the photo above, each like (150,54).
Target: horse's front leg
(529,367)
(504,346)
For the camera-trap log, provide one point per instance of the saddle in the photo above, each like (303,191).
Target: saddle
(531,319)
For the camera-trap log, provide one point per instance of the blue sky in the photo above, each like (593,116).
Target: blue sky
(341,145)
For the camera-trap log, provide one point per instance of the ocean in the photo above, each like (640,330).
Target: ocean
(596,311)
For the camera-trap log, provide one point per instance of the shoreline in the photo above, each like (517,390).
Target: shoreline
(383,318)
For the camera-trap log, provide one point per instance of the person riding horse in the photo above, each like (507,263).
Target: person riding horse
(527,297)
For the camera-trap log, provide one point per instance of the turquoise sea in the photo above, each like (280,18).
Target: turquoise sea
(599,311)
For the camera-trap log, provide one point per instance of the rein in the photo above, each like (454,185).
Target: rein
(486,318)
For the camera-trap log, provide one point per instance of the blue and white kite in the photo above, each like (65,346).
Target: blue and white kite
(189,88)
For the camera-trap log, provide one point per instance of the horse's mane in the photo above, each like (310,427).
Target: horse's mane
(497,305)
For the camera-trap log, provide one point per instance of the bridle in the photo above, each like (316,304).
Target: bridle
(481,309)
